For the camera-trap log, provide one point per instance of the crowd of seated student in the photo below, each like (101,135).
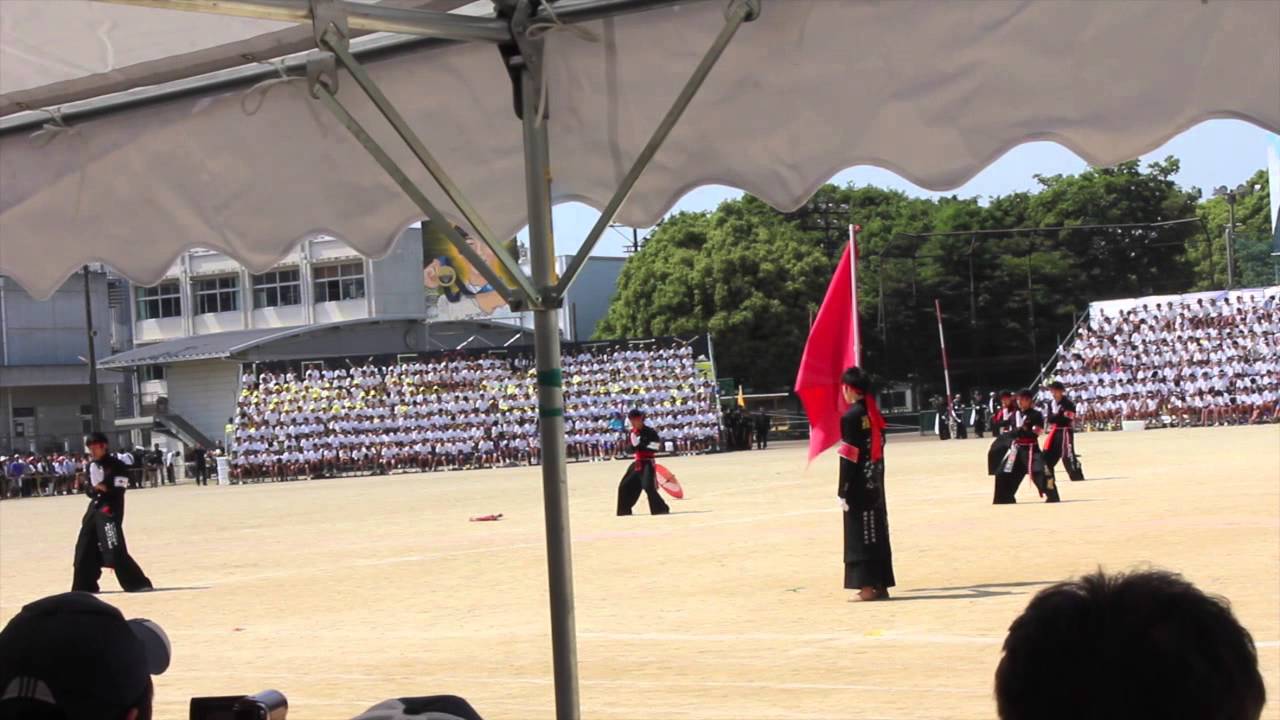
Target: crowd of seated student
(1202,362)
(458,412)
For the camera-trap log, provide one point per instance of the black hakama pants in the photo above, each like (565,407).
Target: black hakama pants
(640,477)
(1019,461)
(89,560)
(1061,445)
(868,557)
(995,454)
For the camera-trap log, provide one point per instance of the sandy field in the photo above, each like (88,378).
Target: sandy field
(343,592)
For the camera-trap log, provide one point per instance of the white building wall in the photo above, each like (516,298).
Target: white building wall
(285,316)
(145,331)
(204,392)
(326,312)
(217,322)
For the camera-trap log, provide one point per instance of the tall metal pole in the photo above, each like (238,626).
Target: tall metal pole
(1231,232)
(95,409)
(946,367)
(546,340)
(853,283)
(1031,317)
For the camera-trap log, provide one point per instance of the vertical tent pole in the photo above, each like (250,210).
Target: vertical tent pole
(546,342)
(95,408)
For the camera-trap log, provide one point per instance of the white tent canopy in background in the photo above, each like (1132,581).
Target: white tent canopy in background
(931,90)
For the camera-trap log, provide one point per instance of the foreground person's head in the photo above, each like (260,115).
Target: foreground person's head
(74,657)
(1144,646)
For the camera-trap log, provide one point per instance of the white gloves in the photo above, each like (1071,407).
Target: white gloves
(844,504)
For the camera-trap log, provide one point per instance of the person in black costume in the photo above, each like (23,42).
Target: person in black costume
(762,430)
(941,423)
(977,414)
(1024,457)
(103,523)
(1061,443)
(640,476)
(1002,429)
(868,558)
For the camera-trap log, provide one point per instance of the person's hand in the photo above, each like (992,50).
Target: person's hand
(844,504)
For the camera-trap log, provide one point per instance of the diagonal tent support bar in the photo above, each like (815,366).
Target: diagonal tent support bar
(410,138)
(415,194)
(361,16)
(739,11)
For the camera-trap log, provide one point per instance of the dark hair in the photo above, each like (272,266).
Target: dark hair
(1028,394)
(1138,646)
(635,413)
(1006,393)
(855,378)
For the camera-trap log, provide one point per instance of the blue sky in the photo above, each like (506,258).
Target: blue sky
(1218,152)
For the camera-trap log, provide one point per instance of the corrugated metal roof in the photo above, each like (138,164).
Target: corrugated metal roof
(198,347)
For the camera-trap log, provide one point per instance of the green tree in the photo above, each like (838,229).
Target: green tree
(742,273)
(751,275)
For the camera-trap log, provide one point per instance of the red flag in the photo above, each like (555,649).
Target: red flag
(830,349)
(834,344)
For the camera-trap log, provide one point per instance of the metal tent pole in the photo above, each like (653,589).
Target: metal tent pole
(546,343)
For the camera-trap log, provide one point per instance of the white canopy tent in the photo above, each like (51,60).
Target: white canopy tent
(118,148)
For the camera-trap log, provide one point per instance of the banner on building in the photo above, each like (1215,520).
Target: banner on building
(455,290)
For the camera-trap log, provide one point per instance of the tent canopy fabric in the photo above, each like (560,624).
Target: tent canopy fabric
(932,91)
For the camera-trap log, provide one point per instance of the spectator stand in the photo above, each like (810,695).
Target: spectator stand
(465,408)
(1209,358)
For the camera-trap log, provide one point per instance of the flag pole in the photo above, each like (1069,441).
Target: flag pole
(946,368)
(853,283)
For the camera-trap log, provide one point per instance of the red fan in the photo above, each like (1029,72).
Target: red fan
(668,482)
(487,518)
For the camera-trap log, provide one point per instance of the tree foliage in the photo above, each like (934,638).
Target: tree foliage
(752,276)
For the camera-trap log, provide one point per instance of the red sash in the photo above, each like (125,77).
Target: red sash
(848,452)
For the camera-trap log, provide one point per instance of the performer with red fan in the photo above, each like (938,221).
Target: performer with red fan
(641,474)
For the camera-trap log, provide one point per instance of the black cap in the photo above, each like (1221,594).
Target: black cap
(96,438)
(79,654)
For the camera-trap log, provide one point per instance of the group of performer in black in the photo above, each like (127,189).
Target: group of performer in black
(1015,452)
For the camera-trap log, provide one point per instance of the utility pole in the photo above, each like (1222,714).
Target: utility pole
(94,406)
(1231,196)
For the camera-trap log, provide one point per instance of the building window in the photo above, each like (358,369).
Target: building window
(217,294)
(147,373)
(277,288)
(339,282)
(162,301)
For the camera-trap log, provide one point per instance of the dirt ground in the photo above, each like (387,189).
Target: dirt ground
(341,593)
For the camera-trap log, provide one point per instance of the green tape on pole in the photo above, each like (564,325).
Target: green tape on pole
(550,412)
(551,378)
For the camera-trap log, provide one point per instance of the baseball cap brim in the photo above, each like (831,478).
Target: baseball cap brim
(155,644)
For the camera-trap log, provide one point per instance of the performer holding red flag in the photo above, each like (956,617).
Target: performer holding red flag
(644,442)
(827,391)
(868,559)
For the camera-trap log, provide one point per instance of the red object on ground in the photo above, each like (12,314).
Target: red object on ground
(486,518)
(668,482)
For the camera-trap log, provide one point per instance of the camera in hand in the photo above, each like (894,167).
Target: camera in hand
(266,705)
